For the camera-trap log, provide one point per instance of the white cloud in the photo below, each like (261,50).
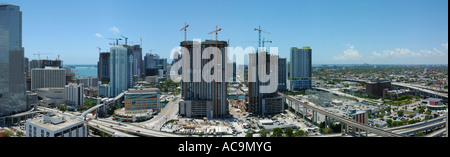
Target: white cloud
(99,35)
(445,45)
(400,53)
(115,30)
(349,54)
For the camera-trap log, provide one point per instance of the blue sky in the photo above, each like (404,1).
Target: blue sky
(339,32)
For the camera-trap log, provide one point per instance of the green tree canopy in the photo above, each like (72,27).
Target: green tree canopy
(278,132)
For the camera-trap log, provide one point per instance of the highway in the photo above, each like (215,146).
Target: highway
(112,132)
(131,129)
(169,112)
(436,133)
(344,120)
(99,105)
(416,124)
(418,129)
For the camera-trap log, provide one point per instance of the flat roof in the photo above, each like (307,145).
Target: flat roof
(432,99)
(56,127)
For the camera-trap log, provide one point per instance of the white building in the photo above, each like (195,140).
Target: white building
(56,126)
(74,94)
(88,81)
(48,77)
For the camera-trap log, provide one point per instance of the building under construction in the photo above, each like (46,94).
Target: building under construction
(200,98)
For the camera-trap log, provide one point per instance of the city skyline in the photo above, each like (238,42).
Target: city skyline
(345,32)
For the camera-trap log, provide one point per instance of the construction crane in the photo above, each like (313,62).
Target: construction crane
(259,30)
(185,45)
(264,41)
(116,39)
(126,39)
(215,67)
(39,54)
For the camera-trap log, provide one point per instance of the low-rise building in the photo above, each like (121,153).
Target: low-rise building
(56,126)
(434,104)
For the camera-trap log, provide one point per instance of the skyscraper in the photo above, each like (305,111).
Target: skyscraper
(203,98)
(259,102)
(12,77)
(103,67)
(135,54)
(301,63)
(119,67)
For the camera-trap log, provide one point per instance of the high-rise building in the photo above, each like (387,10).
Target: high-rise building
(74,94)
(135,55)
(12,77)
(153,63)
(103,67)
(259,102)
(48,77)
(119,70)
(202,98)
(300,66)
(282,75)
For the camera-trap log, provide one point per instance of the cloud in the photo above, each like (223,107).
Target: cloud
(99,35)
(349,54)
(400,53)
(115,30)
(445,45)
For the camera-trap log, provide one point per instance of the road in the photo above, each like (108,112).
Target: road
(344,120)
(169,112)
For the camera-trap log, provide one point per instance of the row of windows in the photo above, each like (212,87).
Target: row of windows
(60,134)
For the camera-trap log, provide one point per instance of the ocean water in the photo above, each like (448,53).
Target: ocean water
(84,70)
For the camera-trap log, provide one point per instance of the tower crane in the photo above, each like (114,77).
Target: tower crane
(99,49)
(39,54)
(126,39)
(260,30)
(185,46)
(216,66)
(116,39)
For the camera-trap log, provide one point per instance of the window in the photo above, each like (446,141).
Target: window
(0,95)
(47,134)
(42,133)
(29,131)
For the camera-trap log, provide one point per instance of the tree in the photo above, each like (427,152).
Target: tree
(326,130)
(389,122)
(8,133)
(300,133)
(419,134)
(19,134)
(263,133)
(278,132)
(400,113)
(249,134)
(289,132)
(63,108)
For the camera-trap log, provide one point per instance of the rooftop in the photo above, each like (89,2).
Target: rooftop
(68,121)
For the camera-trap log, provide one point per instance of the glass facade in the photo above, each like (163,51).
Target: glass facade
(12,67)
(301,65)
(118,70)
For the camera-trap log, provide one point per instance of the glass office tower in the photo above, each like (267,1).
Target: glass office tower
(301,64)
(12,69)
